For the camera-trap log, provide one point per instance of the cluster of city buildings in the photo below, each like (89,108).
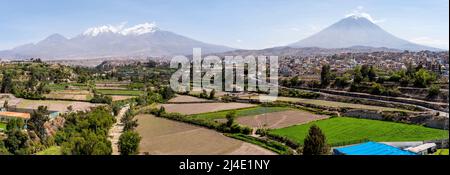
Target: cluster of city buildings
(437,62)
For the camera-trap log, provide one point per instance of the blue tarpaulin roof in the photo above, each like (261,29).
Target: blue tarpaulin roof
(371,148)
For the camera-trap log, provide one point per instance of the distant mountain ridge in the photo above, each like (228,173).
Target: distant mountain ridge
(357,31)
(108,41)
(351,34)
(305,51)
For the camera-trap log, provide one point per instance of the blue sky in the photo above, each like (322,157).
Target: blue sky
(247,24)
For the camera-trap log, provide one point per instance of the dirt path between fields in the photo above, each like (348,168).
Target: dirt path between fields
(116,131)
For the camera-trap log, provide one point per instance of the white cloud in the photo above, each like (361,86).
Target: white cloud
(439,43)
(140,29)
(239,41)
(358,12)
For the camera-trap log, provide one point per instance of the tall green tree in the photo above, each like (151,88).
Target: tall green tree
(372,74)
(36,123)
(129,143)
(17,141)
(357,77)
(15,124)
(6,83)
(315,142)
(424,78)
(325,75)
(129,122)
(365,70)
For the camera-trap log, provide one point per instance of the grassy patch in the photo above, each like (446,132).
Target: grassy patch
(2,126)
(343,129)
(53,150)
(62,86)
(268,144)
(120,92)
(32,103)
(441,152)
(239,112)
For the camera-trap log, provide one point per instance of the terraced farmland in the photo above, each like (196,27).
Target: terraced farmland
(120,92)
(335,104)
(240,112)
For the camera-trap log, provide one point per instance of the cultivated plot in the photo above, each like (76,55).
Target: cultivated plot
(55,105)
(121,97)
(165,137)
(239,112)
(198,108)
(76,95)
(343,129)
(120,92)
(280,119)
(187,99)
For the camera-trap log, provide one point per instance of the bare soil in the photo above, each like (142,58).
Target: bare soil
(165,137)
(280,119)
(198,108)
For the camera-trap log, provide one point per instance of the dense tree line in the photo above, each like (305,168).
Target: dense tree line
(23,142)
(130,139)
(368,79)
(86,133)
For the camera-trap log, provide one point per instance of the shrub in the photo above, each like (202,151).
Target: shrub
(376,89)
(230,118)
(433,91)
(100,98)
(129,143)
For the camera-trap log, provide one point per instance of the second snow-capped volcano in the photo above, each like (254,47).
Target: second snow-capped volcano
(357,31)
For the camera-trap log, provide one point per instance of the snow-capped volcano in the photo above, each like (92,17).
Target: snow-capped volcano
(134,30)
(357,30)
(113,41)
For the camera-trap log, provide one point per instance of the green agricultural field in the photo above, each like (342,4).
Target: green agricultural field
(120,92)
(62,86)
(441,152)
(240,112)
(53,150)
(345,130)
(2,126)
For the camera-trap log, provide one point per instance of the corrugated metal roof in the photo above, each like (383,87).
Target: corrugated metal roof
(372,148)
(421,148)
